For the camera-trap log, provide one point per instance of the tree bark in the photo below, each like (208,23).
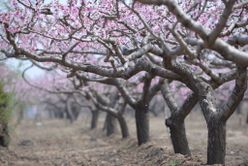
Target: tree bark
(94,119)
(216,141)
(142,123)
(20,116)
(75,114)
(69,116)
(247,119)
(123,126)
(69,113)
(75,110)
(110,124)
(51,114)
(239,109)
(4,136)
(60,114)
(178,136)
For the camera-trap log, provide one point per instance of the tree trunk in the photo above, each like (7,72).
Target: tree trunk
(104,124)
(59,114)
(51,114)
(4,136)
(178,136)
(247,119)
(239,109)
(216,141)
(75,114)
(75,110)
(69,115)
(123,126)
(20,117)
(94,119)
(142,124)
(110,124)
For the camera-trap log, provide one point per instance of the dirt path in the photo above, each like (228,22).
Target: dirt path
(58,143)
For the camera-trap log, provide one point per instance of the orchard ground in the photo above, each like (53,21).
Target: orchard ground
(60,143)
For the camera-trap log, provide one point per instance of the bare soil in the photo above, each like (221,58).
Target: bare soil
(58,143)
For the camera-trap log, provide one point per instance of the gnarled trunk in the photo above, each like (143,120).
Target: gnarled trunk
(94,119)
(110,124)
(142,123)
(216,124)
(216,141)
(123,126)
(178,136)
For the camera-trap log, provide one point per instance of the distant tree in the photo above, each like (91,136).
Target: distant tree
(5,115)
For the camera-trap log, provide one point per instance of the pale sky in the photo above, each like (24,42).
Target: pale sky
(21,65)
